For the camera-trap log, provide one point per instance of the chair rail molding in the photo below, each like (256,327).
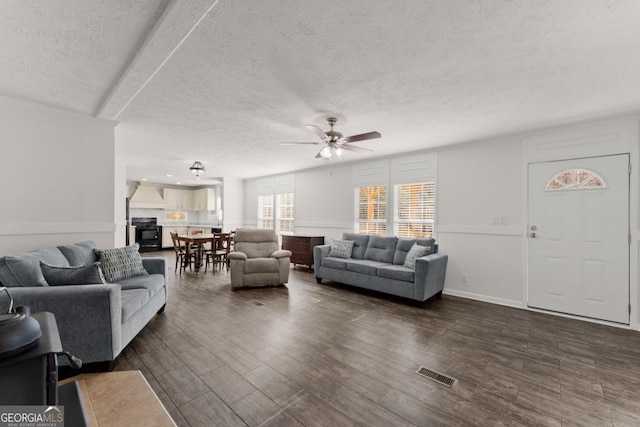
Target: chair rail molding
(496,230)
(56,228)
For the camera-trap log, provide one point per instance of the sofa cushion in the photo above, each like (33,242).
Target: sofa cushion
(404,246)
(152,283)
(359,244)
(396,272)
(132,301)
(365,266)
(341,248)
(121,263)
(381,248)
(84,275)
(416,252)
(80,253)
(336,263)
(23,270)
(261,265)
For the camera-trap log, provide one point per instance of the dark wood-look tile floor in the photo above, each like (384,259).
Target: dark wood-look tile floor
(316,355)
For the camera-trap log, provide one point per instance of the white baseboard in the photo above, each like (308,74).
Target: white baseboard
(484,298)
(522,305)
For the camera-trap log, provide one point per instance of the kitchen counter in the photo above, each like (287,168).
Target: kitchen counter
(182,224)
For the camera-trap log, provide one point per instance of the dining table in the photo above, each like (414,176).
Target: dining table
(199,240)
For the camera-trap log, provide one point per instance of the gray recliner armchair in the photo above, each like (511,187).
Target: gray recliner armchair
(257,260)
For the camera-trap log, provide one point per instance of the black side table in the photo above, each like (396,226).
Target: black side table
(31,378)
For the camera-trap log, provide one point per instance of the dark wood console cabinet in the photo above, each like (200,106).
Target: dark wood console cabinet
(301,248)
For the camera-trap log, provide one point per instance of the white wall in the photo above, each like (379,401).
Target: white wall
(232,204)
(324,201)
(57,177)
(119,204)
(479,219)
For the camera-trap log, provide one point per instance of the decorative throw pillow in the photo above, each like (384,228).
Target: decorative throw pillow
(84,275)
(341,248)
(121,263)
(79,254)
(414,253)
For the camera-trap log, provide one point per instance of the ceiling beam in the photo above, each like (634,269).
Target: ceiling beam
(178,20)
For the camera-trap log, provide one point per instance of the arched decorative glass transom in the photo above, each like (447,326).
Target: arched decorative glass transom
(576,179)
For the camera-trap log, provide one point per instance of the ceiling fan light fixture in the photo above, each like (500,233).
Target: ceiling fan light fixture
(339,151)
(325,152)
(197,169)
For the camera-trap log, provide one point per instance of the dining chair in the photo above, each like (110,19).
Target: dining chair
(208,252)
(184,257)
(232,235)
(222,250)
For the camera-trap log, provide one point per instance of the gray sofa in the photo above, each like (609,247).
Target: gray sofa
(376,263)
(95,321)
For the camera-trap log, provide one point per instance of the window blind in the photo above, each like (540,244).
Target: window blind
(414,211)
(285,210)
(372,210)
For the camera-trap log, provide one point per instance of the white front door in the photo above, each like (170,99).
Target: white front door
(578,244)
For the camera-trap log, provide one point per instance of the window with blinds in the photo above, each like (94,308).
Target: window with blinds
(265,211)
(414,210)
(285,212)
(372,210)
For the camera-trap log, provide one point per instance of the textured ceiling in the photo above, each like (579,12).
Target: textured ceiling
(224,82)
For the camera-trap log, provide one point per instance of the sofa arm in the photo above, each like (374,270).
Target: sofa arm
(240,256)
(236,266)
(281,254)
(88,317)
(319,252)
(429,275)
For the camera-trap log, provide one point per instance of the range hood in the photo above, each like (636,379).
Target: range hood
(147,197)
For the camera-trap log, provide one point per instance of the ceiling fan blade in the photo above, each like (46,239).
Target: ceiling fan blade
(361,137)
(298,143)
(317,131)
(356,149)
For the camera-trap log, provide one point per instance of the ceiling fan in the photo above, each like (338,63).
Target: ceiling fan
(334,142)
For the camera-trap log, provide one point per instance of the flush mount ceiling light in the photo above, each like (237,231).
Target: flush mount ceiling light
(197,169)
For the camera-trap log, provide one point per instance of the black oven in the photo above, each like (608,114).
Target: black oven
(148,234)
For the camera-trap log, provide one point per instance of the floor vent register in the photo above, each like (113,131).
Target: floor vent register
(437,376)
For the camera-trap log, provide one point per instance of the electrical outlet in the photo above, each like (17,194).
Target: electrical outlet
(463,277)
(503,220)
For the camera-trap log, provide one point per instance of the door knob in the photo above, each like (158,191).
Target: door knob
(534,228)
(532,235)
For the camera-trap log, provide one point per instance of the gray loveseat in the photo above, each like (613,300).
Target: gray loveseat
(95,321)
(377,263)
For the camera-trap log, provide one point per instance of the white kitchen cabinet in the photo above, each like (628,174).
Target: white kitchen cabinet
(190,200)
(171,197)
(166,234)
(204,199)
(178,200)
